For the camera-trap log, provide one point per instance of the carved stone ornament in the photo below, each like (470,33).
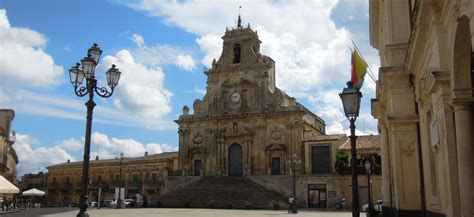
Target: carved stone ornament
(276,134)
(197,139)
(408,149)
(197,150)
(276,147)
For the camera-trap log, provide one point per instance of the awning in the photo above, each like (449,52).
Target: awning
(33,192)
(6,187)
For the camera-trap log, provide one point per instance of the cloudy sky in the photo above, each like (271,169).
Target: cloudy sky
(162,48)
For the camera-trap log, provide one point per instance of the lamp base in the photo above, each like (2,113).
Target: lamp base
(84,214)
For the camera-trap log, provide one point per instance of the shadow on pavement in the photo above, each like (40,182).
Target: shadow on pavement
(37,212)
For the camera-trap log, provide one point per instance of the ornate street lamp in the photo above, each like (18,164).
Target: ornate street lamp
(119,200)
(77,75)
(369,187)
(350,97)
(294,162)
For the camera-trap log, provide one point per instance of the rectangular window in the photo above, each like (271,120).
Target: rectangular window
(320,160)
(153,177)
(197,167)
(276,166)
(135,178)
(434,133)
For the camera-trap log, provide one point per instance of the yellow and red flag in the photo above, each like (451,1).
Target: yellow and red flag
(359,68)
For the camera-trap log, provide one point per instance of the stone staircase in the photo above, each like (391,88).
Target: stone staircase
(224,191)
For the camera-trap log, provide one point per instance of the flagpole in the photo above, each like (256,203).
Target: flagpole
(371,74)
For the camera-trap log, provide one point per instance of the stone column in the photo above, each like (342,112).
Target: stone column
(386,181)
(463,118)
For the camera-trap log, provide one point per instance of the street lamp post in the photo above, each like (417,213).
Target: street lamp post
(77,75)
(367,168)
(294,162)
(350,97)
(119,200)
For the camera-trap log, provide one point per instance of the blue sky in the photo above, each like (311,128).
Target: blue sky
(162,48)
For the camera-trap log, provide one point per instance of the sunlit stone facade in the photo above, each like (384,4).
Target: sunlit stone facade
(424,105)
(146,175)
(8,157)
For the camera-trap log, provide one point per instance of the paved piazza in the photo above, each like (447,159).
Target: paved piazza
(182,212)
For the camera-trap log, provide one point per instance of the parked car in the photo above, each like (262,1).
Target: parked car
(377,206)
(129,203)
(108,203)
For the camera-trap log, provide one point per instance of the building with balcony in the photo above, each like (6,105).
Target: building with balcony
(146,175)
(8,157)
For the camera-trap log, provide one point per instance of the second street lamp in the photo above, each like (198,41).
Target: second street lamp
(369,187)
(119,199)
(77,75)
(350,97)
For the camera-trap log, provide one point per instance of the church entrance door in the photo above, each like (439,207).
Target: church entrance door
(235,160)
(197,167)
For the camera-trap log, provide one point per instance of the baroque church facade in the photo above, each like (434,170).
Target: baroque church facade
(244,125)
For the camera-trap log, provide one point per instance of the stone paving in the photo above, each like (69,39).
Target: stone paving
(181,212)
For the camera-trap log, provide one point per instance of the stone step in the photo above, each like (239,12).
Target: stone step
(224,191)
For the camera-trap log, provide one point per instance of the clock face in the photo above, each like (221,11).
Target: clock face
(235,97)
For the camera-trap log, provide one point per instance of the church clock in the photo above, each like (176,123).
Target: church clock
(235,96)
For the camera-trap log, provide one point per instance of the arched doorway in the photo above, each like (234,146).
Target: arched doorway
(235,160)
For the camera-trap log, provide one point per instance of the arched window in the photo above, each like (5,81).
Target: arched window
(236,53)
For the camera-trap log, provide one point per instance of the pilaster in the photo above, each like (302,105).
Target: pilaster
(463,126)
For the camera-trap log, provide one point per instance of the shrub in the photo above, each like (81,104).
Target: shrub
(228,205)
(276,205)
(211,203)
(342,163)
(248,204)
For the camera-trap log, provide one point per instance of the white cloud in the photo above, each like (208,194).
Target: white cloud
(160,55)
(71,144)
(138,39)
(328,105)
(199,91)
(185,62)
(34,160)
(140,90)
(211,46)
(111,147)
(23,57)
